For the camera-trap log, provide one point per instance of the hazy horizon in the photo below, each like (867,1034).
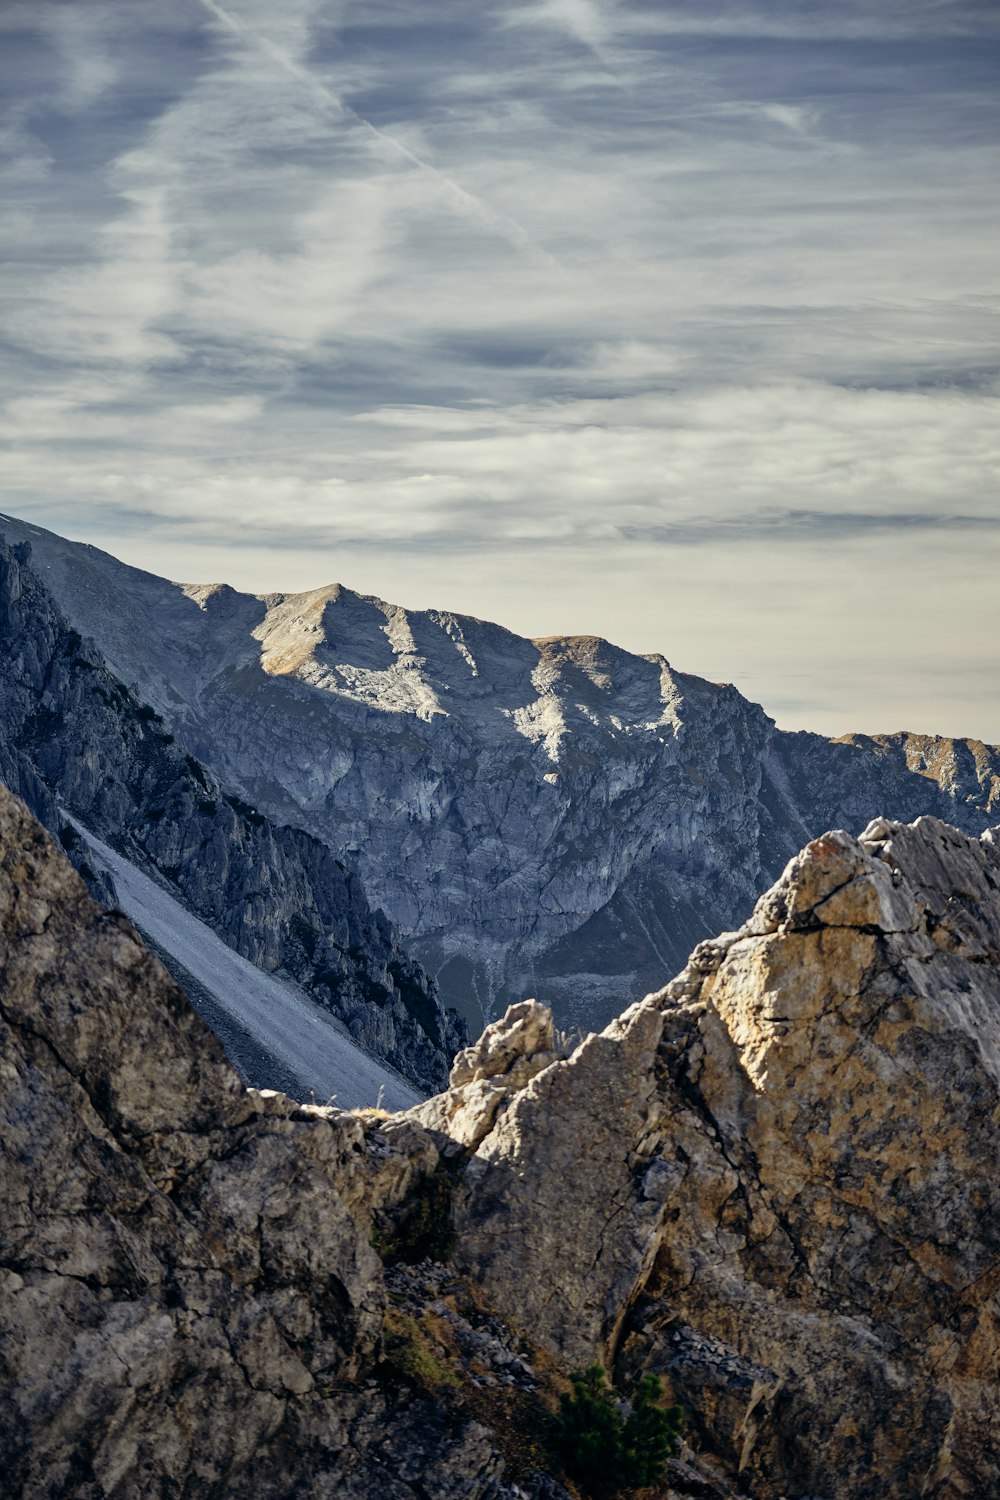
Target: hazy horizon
(675,324)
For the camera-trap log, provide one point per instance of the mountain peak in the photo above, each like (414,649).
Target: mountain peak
(555,816)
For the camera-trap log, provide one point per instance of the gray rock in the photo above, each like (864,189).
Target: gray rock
(190,1304)
(71,735)
(486,1076)
(557,818)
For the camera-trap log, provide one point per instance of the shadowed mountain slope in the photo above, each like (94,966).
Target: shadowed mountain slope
(74,738)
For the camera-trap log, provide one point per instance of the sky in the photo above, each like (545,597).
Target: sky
(675,323)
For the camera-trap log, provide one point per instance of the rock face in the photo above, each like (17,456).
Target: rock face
(190,1301)
(187,1286)
(485,1077)
(774,1183)
(554,817)
(72,736)
(782,1178)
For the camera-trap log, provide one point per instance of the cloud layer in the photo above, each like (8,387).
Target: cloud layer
(668,322)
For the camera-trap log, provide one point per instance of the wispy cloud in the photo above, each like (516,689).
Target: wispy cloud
(591,23)
(848,20)
(449,287)
(709,468)
(387,146)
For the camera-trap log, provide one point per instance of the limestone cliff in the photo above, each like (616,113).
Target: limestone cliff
(774,1183)
(557,818)
(73,737)
(783,1179)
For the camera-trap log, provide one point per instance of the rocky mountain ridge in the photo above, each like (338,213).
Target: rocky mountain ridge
(555,817)
(74,739)
(773,1184)
(789,1203)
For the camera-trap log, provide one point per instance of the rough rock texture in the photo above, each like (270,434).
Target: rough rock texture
(554,817)
(486,1076)
(188,1286)
(190,1303)
(782,1179)
(774,1183)
(72,735)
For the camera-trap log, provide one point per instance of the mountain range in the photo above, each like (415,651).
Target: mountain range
(557,818)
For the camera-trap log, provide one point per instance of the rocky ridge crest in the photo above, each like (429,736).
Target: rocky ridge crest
(781,1174)
(773,1183)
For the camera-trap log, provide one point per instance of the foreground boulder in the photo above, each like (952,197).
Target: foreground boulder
(190,1303)
(777,1182)
(774,1184)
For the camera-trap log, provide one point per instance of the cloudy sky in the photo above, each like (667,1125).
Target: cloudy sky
(671,322)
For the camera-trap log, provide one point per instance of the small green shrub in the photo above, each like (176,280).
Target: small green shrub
(650,1434)
(69,838)
(408,1355)
(245,811)
(197,771)
(604,1452)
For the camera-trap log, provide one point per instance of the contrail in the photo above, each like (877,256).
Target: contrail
(301,75)
(508,228)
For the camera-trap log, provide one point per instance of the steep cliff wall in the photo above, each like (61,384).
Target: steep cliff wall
(187,1288)
(72,735)
(782,1178)
(556,818)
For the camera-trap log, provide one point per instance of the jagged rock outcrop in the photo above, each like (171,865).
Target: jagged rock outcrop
(72,737)
(186,1271)
(190,1300)
(783,1179)
(555,817)
(774,1184)
(486,1076)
